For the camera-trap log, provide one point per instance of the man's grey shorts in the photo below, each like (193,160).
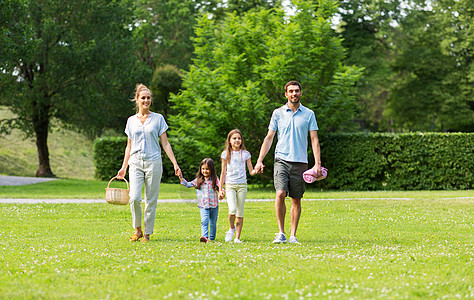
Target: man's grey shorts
(288,176)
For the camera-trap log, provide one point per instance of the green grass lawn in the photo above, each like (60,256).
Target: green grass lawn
(358,249)
(93,189)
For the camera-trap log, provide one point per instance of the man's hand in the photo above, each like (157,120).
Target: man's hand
(259,167)
(317,169)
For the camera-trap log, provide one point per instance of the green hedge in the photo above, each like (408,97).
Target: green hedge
(411,161)
(360,161)
(108,156)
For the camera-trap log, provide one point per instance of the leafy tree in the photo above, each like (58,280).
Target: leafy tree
(69,60)
(239,71)
(366,27)
(434,86)
(166,80)
(241,7)
(164,29)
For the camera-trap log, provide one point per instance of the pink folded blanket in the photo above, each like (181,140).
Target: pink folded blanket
(309,176)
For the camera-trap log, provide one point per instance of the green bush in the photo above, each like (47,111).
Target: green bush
(108,156)
(359,161)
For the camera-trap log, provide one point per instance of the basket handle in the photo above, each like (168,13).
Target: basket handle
(115,178)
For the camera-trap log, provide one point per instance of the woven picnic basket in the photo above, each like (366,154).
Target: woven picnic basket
(117,196)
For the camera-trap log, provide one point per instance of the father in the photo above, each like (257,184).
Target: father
(292,121)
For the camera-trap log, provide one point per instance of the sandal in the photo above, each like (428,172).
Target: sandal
(145,239)
(135,237)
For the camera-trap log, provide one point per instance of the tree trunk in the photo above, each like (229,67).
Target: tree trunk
(41,127)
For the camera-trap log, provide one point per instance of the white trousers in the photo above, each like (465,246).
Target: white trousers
(236,194)
(146,172)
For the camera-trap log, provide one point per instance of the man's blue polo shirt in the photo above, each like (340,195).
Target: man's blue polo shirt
(292,131)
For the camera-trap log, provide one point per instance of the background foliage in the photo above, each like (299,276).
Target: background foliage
(65,60)
(108,156)
(75,64)
(417,60)
(239,73)
(357,161)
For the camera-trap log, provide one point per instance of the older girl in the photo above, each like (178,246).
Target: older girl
(143,154)
(233,174)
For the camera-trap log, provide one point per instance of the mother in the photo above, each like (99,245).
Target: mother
(143,155)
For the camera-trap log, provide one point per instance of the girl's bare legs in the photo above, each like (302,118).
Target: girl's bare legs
(232,221)
(238,225)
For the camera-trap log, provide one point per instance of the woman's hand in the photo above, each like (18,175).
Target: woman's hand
(180,175)
(177,171)
(121,173)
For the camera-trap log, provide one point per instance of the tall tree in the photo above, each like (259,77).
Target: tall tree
(366,27)
(434,89)
(240,69)
(70,60)
(164,31)
(166,28)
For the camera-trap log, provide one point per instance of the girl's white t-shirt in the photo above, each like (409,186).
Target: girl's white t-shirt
(236,173)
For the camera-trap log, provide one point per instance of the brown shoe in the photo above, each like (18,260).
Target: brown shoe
(135,237)
(145,239)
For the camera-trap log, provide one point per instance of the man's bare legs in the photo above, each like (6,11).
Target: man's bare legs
(295,214)
(280,209)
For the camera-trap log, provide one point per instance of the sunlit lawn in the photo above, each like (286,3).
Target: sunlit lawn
(394,249)
(92,189)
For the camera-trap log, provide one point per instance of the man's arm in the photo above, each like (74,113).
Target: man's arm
(316,151)
(266,145)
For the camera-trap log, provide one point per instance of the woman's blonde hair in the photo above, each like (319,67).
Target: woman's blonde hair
(228,146)
(138,89)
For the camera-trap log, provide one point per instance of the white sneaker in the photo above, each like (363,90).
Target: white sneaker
(229,235)
(280,238)
(293,240)
(236,240)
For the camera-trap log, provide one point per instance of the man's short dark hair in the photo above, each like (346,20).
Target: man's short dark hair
(293,82)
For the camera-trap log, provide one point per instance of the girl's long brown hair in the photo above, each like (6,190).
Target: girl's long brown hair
(213,175)
(228,146)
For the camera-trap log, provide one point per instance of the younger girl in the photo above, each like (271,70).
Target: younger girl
(207,186)
(233,174)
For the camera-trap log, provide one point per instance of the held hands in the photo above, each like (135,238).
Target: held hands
(177,172)
(221,194)
(259,168)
